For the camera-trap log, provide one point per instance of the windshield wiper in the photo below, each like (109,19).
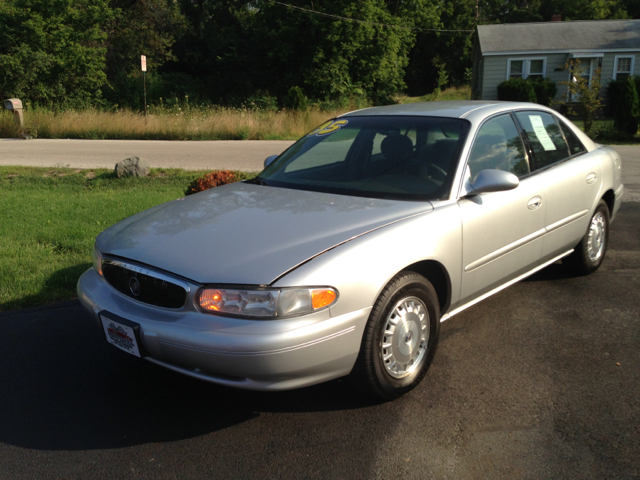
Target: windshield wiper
(257,181)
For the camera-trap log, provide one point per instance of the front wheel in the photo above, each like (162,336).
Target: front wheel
(400,337)
(589,254)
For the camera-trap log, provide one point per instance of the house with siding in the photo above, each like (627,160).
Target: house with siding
(524,50)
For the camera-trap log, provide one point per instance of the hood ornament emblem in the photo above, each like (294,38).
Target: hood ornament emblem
(134,286)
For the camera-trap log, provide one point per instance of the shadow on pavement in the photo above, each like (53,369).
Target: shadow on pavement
(65,388)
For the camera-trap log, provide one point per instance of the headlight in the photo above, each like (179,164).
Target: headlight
(267,303)
(97,260)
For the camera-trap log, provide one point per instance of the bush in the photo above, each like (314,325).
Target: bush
(614,90)
(545,90)
(295,99)
(626,110)
(517,90)
(211,180)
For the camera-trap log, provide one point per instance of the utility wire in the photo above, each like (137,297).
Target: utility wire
(322,14)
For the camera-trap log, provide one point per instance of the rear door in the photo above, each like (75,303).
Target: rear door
(571,175)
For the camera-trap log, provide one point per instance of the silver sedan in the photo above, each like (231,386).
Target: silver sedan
(346,252)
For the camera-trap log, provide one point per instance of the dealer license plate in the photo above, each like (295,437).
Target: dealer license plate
(120,335)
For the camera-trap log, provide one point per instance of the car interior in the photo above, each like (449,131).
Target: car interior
(414,156)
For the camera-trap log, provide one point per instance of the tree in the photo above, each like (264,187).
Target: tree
(53,51)
(581,93)
(362,54)
(626,109)
(142,27)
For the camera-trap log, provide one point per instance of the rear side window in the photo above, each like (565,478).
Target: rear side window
(545,137)
(575,145)
(499,146)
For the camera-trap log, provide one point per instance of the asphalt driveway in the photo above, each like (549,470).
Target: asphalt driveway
(540,381)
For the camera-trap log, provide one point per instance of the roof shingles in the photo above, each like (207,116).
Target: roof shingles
(560,36)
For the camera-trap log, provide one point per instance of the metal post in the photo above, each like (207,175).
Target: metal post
(144,80)
(18,118)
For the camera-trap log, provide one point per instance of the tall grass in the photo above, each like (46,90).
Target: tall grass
(178,120)
(178,123)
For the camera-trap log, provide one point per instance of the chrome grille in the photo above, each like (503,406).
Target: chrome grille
(144,285)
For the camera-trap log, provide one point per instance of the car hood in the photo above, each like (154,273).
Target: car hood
(247,234)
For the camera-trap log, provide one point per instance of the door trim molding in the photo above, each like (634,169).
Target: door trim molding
(447,316)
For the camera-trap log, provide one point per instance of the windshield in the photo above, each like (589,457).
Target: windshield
(406,158)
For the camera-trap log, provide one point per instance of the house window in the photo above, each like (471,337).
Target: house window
(623,67)
(526,67)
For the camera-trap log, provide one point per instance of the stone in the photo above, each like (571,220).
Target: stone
(132,167)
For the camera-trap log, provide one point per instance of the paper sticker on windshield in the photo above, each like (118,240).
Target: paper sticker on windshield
(330,127)
(541,132)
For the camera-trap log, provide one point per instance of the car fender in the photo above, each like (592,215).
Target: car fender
(360,268)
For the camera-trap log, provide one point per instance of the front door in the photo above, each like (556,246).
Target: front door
(502,231)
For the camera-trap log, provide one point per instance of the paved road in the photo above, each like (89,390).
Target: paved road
(214,155)
(539,381)
(630,171)
(208,155)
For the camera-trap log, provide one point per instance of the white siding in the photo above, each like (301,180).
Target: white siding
(495,71)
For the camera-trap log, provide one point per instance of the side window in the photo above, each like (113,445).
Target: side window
(575,145)
(545,137)
(499,146)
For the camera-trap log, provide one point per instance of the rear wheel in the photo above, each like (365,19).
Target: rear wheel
(400,337)
(589,254)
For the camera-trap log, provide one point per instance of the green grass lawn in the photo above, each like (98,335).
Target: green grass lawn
(49,218)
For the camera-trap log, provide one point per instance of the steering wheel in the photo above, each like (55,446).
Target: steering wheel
(439,172)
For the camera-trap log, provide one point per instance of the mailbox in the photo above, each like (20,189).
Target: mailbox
(15,105)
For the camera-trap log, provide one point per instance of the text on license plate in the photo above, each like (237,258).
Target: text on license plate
(122,336)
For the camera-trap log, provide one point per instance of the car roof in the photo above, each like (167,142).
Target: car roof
(451,109)
(475,111)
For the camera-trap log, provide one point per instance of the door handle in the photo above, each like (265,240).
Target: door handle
(535,202)
(591,178)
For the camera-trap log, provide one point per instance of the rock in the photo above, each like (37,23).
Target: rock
(132,167)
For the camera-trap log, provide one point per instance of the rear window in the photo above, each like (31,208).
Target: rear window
(575,145)
(397,157)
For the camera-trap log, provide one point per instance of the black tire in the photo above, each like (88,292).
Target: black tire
(589,253)
(410,293)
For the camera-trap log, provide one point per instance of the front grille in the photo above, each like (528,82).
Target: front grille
(150,287)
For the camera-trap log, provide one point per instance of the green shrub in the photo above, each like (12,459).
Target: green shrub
(545,90)
(516,90)
(295,99)
(626,111)
(614,90)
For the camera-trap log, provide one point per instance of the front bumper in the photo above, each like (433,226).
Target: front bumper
(250,354)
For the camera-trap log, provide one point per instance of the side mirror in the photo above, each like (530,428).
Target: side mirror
(493,181)
(269,160)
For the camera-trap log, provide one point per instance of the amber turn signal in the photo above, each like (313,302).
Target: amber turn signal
(210,300)
(322,298)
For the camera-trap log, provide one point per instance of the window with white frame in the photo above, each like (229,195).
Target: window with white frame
(623,66)
(526,67)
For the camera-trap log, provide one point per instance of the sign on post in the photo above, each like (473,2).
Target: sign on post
(143,65)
